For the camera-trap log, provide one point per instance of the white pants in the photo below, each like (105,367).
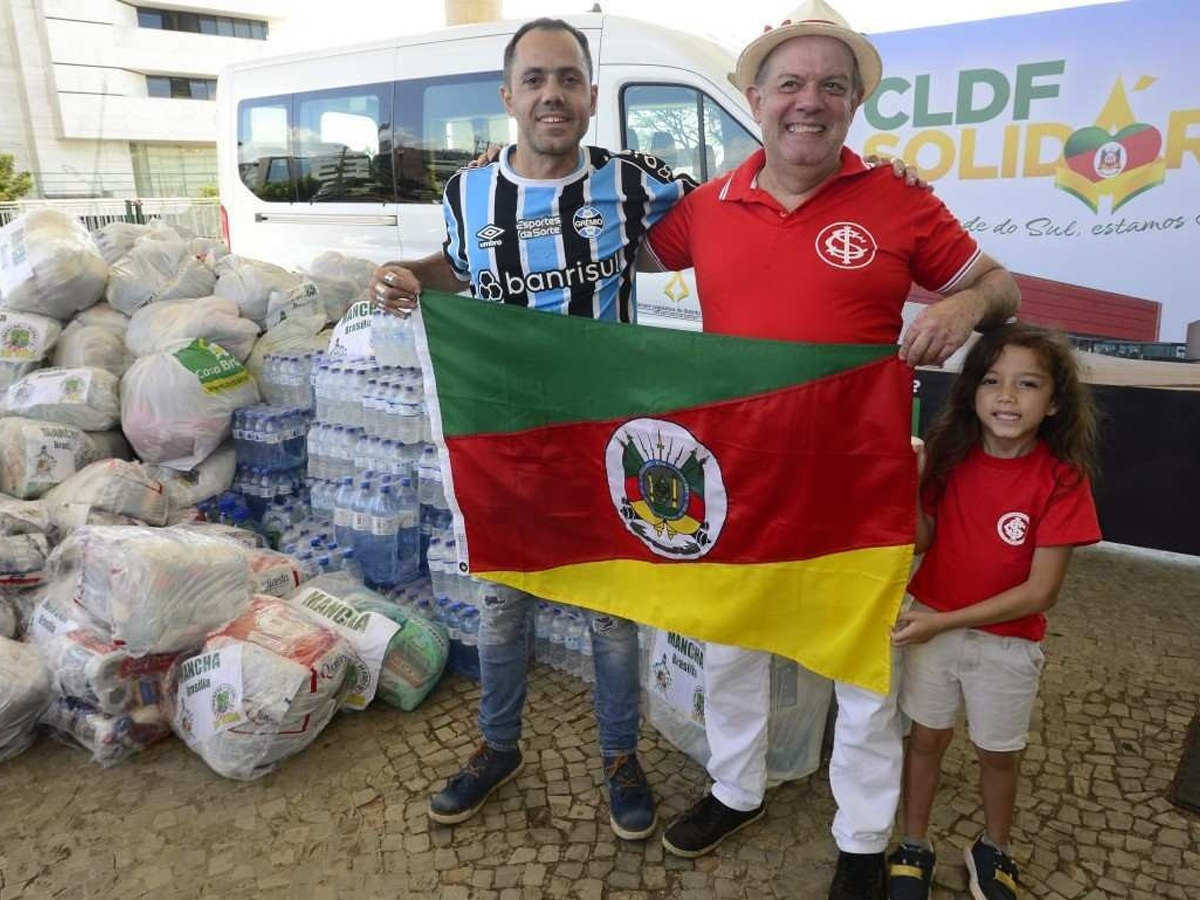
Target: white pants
(868,754)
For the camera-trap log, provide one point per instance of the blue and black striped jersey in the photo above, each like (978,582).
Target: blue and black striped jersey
(568,245)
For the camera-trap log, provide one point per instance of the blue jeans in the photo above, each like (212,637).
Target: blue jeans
(503,657)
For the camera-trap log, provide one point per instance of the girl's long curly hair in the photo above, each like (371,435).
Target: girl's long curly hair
(1071,433)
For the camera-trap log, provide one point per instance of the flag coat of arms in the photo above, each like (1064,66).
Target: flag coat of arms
(749,492)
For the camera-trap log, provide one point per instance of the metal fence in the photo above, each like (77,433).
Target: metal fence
(200,216)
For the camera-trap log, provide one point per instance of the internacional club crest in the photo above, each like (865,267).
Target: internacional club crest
(667,487)
(846,245)
(1012,528)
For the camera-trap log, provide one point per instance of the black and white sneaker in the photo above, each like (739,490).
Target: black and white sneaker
(858,876)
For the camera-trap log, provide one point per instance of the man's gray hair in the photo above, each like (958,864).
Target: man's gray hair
(856,85)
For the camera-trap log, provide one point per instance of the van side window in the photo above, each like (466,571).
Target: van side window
(683,127)
(264,147)
(441,125)
(343,145)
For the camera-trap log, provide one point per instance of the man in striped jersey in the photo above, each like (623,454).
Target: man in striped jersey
(557,227)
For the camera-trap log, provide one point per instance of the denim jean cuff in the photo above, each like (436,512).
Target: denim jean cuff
(607,754)
(502,746)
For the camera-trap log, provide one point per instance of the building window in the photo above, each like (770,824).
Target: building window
(199,23)
(181,88)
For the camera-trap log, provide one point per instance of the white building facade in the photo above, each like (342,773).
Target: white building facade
(101,98)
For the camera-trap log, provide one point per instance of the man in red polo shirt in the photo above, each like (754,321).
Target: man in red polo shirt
(804,242)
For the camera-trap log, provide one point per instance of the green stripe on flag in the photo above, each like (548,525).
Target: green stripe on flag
(598,370)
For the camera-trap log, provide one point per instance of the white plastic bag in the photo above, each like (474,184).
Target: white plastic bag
(156,270)
(114,486)
(35,456)
(177,405)
(252,284)
(260,690)
(116,239)
(22,517)
(21,555)
(103,315)
(92,346)
(110,445)
(340,279)
(216,319)
(85,398)
(210,478)
(150,590)
(26,337)
(24,694)
(68,272)
(674,682)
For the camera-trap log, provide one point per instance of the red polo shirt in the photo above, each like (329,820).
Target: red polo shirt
(837,269)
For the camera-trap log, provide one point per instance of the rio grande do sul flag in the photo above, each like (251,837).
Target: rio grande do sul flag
(748,492)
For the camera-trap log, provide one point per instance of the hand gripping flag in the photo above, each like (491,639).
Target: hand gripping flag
(749,492)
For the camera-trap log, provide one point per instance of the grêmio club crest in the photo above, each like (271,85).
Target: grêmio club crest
(667,487)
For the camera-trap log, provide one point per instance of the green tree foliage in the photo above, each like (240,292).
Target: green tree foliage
(13,184)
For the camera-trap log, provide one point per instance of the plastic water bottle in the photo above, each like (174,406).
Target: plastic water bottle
(360,528)
(541,632)
(572,641)
(469,630)
(380,558)
(558,638)
(408,537)
(587,657)
(454,626)
(343,512)
(409,425)
(276,521)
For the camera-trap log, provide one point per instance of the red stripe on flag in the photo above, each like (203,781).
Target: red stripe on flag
(810,470)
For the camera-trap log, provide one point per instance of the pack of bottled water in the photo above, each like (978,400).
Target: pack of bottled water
(563,640)
(393,339)
(287,378)
(272,438)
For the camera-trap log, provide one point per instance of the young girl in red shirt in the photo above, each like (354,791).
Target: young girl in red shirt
(1005,496)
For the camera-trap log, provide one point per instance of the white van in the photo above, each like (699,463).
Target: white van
(348,149)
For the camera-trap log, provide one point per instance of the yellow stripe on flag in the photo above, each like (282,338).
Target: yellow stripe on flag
(832,614)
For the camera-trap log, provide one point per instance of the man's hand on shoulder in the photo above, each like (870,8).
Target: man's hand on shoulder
(900,169)
(940,329)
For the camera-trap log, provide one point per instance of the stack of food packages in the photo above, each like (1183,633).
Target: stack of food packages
(125,614)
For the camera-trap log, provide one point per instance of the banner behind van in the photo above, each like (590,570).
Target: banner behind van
(1067,142)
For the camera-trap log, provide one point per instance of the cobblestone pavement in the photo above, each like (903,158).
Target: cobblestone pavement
(347,819)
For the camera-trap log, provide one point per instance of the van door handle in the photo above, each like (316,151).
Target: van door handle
(327,219)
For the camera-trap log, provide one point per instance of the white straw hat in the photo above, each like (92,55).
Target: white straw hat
(813,17)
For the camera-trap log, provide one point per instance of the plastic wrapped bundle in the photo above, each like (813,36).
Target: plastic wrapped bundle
(253,284)
(85,398)
(340,279)
(295,333)
(92,346)
(68,272)
(403,656)
(114,486)
(111,739)
(177,405)
(26,338)
(102,315)
(149,590)
(216,319)
(24,694)
(209,479)
(110,445)
(22,517)
(116,239)
(35,456)
(103,675)
(23,558)
(260,690)
(156,270)
(274,574)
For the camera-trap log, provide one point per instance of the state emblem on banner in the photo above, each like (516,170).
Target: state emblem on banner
(1117,155)
(666,487)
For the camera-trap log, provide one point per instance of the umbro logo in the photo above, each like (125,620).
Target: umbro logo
(489,236)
